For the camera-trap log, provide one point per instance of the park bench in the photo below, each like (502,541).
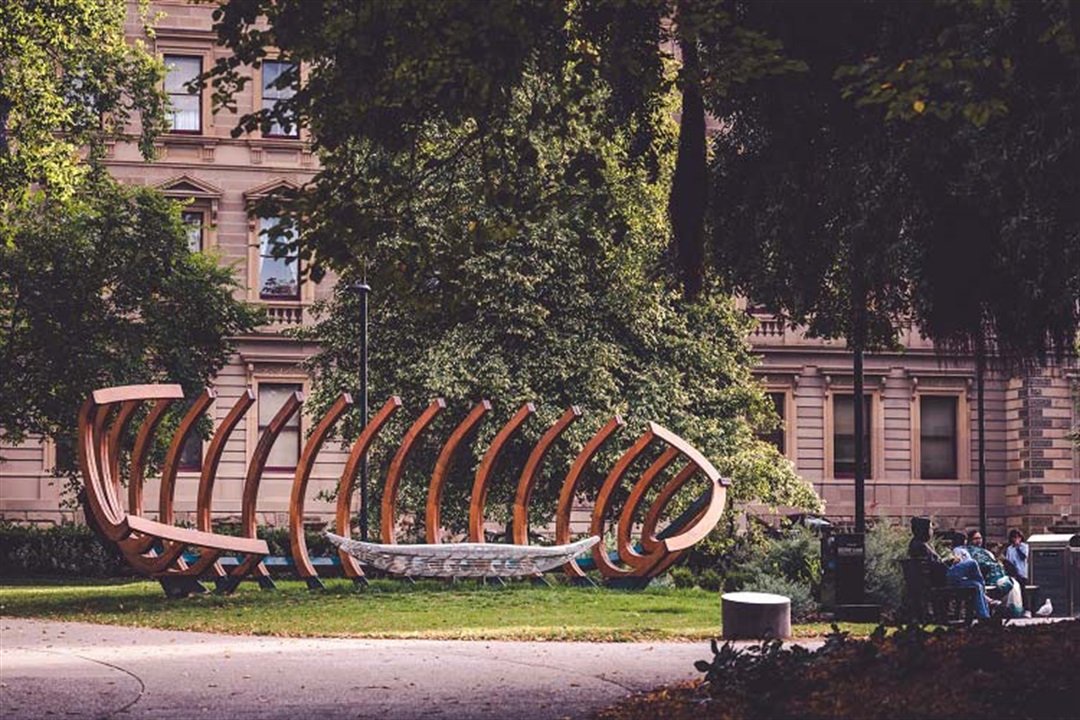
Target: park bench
(156,547)
(925,601)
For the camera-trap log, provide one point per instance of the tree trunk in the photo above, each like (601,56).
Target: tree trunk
(689,186)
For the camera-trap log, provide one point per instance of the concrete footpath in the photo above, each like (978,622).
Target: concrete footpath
(50,669)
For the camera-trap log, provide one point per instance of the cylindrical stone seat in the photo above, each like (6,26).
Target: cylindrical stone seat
(755,615)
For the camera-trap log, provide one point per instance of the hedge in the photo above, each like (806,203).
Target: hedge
(74,550)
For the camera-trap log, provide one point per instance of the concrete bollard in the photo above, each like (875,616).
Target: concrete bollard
(755,615)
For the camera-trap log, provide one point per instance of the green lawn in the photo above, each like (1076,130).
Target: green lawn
(389,609)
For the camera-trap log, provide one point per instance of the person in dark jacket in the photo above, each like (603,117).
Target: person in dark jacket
(962,573)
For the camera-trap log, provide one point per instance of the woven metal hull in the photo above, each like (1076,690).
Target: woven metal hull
(463,559)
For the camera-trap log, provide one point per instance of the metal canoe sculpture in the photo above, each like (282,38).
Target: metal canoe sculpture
(156,548)
(463,560)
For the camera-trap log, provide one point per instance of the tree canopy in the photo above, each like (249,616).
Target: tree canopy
(69,81)
(931,150)
(97,284)
(102,290)
(533,273)
(386,69)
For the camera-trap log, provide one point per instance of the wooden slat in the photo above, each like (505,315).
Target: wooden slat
(388,511)
(487,466)
(297,541)
(626,519)
(570,487)
(116,444)
(352,471)
(604,499)
(531,472)
(124,393)
(197,538)
(210,463)
(652,517)
(433,510)
(143,443)
(248,520)
(176,448)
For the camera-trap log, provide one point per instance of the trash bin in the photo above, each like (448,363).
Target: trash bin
(843,569)
(1054,565)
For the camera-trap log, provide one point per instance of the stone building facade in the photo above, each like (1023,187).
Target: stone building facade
(923,432)
(922,429)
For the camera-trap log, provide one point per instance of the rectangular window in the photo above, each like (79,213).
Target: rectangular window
(272,71)
(778,436)
(286,450)
(193,226)
(937,437)
(279,269)
(185,116)
(844,435)
(191,453)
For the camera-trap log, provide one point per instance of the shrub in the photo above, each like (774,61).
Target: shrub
(886,545)
(682,577)
(802,602)
(710,580)
(787,563)
(62,550)
(75,551)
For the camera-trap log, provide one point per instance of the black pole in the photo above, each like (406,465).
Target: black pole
(362,289)
(980,370)
(860,451)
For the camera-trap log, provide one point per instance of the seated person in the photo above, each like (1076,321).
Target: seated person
(962,573)
(993,572)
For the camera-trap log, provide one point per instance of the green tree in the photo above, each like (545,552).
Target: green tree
(958,212)
(99,290)
(379,72)
(990,94)
(69,82)
(531,274)
(97,285)
(810,194)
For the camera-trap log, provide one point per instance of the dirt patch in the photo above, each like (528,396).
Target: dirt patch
(982,672)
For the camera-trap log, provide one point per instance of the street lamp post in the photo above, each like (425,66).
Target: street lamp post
(362,289)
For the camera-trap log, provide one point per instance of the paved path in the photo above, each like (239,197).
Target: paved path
(96,671)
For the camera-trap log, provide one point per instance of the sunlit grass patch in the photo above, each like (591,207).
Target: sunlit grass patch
(390,609)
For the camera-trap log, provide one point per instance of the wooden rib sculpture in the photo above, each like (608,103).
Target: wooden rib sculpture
(101,425)
(157,548)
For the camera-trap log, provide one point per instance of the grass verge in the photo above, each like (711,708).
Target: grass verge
(390,609)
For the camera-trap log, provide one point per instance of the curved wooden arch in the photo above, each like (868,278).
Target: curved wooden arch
(205,496)
(213,457)
(176,448)
(603,503)
(708,519)
(388,510)
(89,437)
(100,435)
(297,541)
(531,472)
(348,480)
(139,453)
(119,428)
(626,518)
(101,468)
(432,514)
(109,431)
(660,503)
(570,488)
(248,521)
(487,465)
